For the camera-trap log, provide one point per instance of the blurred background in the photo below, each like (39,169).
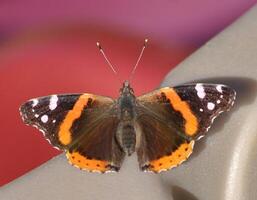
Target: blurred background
(49,47)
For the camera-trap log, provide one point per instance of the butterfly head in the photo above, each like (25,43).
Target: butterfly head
(126,89)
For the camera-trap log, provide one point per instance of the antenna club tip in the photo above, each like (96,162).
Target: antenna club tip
(98,45)
(146,40)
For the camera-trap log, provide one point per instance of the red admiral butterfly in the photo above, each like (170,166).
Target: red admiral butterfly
(97,132)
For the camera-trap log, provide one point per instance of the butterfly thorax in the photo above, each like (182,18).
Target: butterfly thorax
(126,135)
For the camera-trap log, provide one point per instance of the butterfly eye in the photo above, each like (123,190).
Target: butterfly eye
(131,91)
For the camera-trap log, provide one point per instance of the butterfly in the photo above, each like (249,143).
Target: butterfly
(97,132)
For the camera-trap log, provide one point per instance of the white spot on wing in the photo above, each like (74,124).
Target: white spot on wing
(35,126)
(218,101)
(200,90)
(36,115)
(21,114)
(35,102)
(42,131)
(201,110)
(210,105)
(44,118)
(214,117)
(54,121)
(219,88)
(55,147)
(53,102)
(201,136)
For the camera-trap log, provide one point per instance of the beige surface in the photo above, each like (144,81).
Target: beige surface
(223,165)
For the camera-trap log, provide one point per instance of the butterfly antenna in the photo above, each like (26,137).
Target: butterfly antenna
(138,60)
(106,59)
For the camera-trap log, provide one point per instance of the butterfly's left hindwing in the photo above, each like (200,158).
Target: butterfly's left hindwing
(181,115)
(83,125)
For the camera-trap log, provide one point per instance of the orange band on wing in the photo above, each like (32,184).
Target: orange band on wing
(191,125)
(64,132)
(173,160)
(83,162)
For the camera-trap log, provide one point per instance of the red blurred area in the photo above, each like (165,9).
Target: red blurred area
(66,61)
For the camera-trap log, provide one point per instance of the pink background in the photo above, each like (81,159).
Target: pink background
(48,48)
(168,21)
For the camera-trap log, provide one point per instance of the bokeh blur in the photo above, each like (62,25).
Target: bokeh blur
(49,47)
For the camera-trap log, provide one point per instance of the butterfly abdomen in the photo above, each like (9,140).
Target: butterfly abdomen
(126,137)
(129,139)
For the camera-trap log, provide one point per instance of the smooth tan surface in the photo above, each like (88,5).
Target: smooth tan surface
(223,164)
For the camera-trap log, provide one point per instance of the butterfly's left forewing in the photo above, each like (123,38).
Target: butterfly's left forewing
(48,114)
(83,125)
(174,118)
